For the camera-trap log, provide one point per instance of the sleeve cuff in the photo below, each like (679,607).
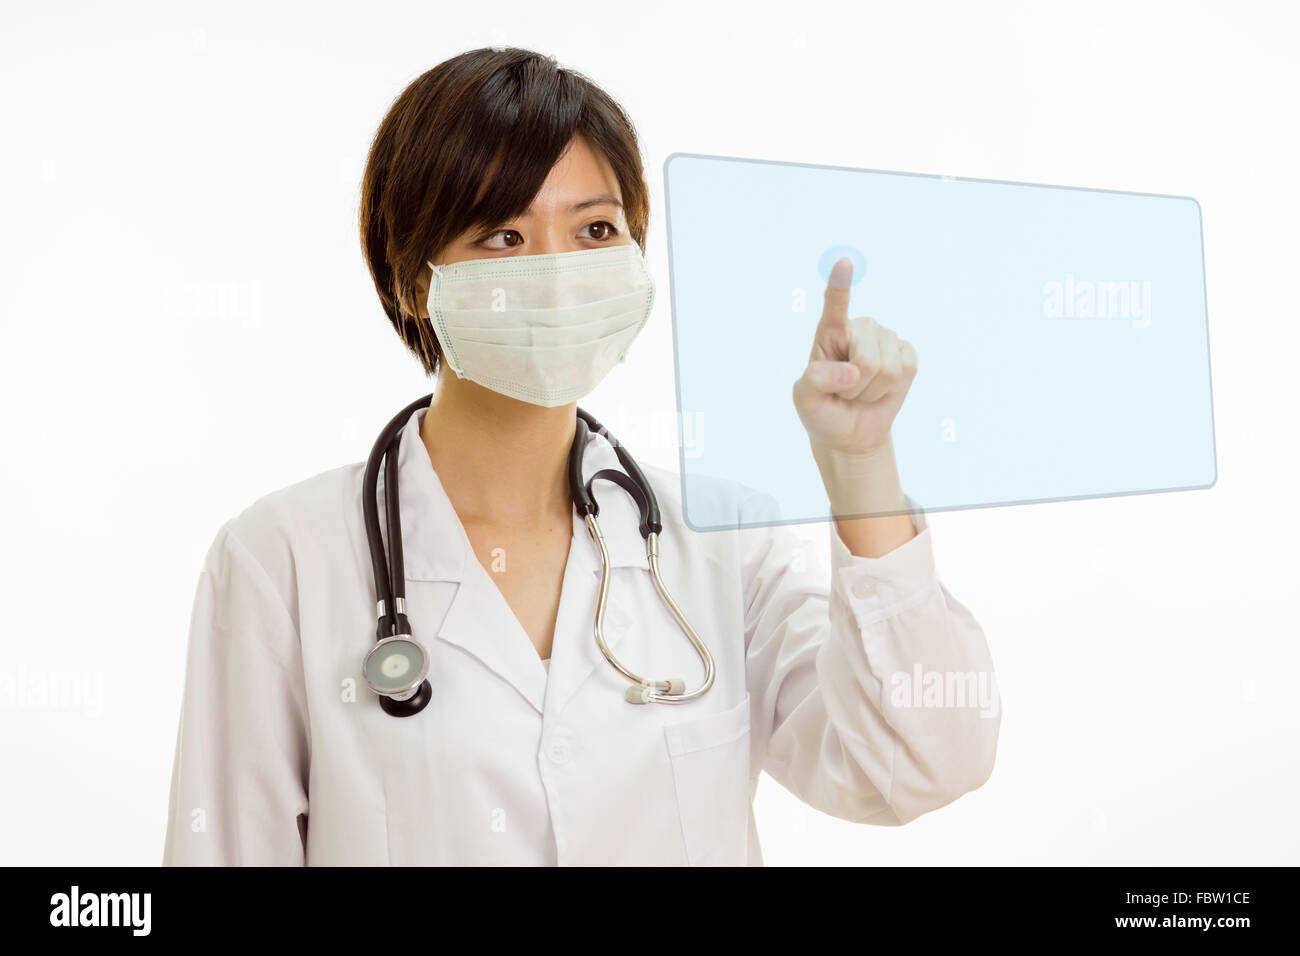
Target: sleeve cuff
(873,588)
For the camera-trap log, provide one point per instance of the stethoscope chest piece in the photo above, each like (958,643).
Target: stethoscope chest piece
(395,669)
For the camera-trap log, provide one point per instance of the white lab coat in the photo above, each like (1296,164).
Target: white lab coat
(283,755)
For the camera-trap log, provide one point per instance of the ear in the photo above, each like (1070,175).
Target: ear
(418,307)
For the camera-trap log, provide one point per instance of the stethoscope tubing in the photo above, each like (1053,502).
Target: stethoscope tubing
(390,589)
(389,573)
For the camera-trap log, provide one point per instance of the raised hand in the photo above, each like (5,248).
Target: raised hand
(857,376)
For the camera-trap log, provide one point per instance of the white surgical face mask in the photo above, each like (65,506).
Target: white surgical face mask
(544,329)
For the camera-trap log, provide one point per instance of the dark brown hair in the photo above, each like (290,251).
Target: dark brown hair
(432,171)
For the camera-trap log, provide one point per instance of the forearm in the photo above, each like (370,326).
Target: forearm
(866,484)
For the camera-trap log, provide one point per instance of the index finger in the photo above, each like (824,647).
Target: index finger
(835,304)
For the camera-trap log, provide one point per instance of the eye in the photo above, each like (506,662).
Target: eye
(605,230)
(510,237)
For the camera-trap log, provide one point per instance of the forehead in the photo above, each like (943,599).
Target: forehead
(583,171)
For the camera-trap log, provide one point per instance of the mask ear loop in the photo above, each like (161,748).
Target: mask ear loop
(446,353)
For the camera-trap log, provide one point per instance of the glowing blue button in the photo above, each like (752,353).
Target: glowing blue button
(834,254)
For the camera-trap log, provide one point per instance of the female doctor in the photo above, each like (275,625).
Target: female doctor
(503,217)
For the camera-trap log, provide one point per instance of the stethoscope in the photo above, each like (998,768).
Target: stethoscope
(397,667)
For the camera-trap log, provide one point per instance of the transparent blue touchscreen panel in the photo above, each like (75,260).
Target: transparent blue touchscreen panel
(1061,334)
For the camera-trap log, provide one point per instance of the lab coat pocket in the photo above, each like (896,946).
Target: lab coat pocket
(710,761)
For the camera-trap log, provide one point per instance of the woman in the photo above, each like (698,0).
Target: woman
(285,757)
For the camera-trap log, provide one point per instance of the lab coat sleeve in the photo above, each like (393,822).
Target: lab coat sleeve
(844,678)
(239,781)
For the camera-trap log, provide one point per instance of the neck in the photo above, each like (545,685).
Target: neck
(501,461)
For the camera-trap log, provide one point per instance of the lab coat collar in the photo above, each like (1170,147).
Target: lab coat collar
(478,620)
(435,546)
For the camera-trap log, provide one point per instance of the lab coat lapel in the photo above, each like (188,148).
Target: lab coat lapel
(436,549)
(481,623)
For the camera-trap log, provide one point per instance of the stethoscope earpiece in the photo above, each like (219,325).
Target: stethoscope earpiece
(644,694)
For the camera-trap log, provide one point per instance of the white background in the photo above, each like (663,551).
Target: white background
(188,324)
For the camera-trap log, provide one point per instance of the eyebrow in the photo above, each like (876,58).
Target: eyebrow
(602,200)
